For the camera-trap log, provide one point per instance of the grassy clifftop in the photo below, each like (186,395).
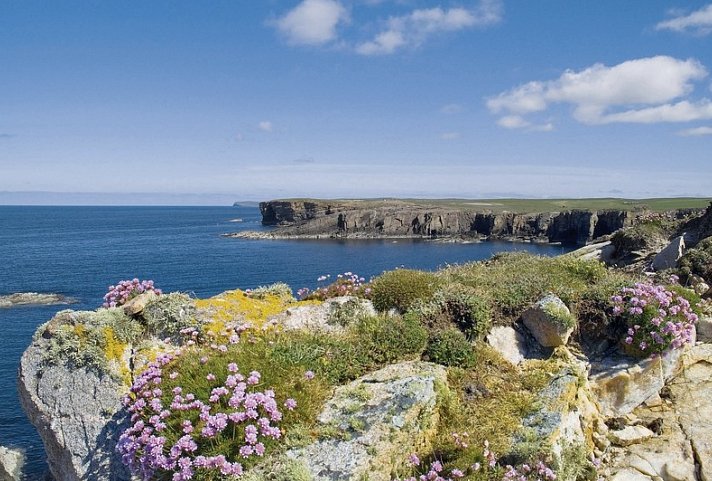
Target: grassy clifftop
(530,205)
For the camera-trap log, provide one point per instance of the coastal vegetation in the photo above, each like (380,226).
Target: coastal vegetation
(234,391)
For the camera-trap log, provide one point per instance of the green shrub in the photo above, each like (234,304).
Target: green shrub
(388,339)
(400,288)
(279,289)
(697,261)
(345,313)
(168,314)
(450,347)
(514,281)
(466,308)
(369,344)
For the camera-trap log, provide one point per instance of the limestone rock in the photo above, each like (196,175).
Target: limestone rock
(509,343)
(704,328)
(620,384)
(77,415)
(691,392)
(668,257)
(11,461)
(600,251)
(136,305)
(630,435)
(549,321)
(383,417)
(324,317)
(683,450)
(564,415)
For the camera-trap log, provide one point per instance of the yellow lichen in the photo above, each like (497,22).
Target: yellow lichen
(238,307)
(113,349)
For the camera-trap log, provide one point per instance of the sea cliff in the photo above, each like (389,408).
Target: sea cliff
(397,219)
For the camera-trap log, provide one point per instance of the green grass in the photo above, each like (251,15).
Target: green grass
(527,205)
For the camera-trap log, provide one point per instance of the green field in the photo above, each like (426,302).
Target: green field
(532,205)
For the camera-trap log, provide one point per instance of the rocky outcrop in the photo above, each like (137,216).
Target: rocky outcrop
(77,413)
(385,415)
(549,321)
(354,219)
(11,461)
(33,298)
(621,384)
(668,257)
(681,447)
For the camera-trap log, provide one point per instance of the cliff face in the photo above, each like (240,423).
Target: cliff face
(331,219)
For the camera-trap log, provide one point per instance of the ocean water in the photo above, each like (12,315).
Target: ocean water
(79,251)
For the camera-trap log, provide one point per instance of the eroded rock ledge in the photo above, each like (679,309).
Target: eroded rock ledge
(400,219)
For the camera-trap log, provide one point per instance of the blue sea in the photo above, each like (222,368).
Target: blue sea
(79,251)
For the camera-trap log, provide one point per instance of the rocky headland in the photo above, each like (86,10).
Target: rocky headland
(515,368)
(402,219)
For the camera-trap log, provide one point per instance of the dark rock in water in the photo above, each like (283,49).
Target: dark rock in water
(33,298)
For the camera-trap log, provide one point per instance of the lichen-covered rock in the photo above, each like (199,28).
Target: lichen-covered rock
(380,418)
(620,384)
(77,414)
(11,461)
(136,305)
(550,321)
(565,413)
(330,316)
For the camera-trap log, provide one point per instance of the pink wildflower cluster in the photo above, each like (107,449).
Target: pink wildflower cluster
(525,472)
(346,284)
(169,431)
(658,319)
(124,291)
(436,471)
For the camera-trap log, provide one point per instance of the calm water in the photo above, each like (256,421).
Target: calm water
(78,251)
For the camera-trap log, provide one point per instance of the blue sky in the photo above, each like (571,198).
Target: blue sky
(258,99)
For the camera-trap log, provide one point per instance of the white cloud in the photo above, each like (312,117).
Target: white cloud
(265,126)
(412,29)
(698,22)
(312,22)
(450,135)
(644,90)
(696,132)
(451,109)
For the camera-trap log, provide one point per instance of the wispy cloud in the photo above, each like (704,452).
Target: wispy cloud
(312,22)
(698,22)
(696,132)
(414,28)
(450,135)
(265,126)
(6,136)
(451,109)
(646,90)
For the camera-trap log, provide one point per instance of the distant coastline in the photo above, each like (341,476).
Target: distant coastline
(567,221)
